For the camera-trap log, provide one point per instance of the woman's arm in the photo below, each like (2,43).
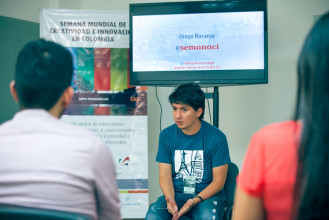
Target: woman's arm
(247,207)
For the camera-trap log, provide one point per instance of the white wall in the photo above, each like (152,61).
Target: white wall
(242,110)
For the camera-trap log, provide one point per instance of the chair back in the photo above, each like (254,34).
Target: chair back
(230,183)
(24,213)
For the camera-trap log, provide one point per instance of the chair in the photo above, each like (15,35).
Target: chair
(9,212)
(229,187)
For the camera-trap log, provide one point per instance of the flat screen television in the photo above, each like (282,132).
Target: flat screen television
(212,43)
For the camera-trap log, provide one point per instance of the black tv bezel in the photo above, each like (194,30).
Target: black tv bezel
(202,77)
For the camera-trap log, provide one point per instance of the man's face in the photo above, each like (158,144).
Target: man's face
(186,118)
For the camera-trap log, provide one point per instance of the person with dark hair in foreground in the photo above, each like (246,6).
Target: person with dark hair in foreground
(46,163)
(286,169)
(193,157)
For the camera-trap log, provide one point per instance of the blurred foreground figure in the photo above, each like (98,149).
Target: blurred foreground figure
(286,169)
(44,162)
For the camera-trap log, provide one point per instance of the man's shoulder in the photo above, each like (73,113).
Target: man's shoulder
(170,129)
(76,131)
(6,128)
(170,133)
(211,130)
(81,137)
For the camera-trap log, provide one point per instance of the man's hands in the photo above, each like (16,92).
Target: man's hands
(186,207)
(172,207)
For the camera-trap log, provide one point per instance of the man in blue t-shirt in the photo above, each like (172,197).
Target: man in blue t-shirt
(193,157)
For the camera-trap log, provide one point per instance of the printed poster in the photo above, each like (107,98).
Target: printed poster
(103,101)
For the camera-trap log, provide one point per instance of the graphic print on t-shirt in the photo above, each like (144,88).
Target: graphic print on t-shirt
(189,163)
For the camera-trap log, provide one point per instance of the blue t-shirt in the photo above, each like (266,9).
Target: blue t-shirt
(193,155)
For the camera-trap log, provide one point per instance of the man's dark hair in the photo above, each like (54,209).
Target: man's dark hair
(43,71)
(189,94)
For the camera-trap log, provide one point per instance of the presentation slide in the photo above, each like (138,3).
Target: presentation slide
(210,41)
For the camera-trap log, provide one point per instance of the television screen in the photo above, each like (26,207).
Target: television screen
(210,43)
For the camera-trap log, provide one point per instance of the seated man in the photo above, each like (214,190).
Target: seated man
(46,163)
(193,157)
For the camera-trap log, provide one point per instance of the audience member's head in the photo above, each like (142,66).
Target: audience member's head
(311,190)
(189,94)
(43,72)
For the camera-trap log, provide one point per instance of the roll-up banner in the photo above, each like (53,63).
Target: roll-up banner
(103,101)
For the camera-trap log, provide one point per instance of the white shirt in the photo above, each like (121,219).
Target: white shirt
(46,163)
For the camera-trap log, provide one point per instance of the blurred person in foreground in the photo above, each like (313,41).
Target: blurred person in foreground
(44,162)
(286,169)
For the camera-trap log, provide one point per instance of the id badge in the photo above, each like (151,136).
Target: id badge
(189,184)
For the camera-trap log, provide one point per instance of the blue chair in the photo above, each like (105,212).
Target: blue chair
(229,187)
(9,212)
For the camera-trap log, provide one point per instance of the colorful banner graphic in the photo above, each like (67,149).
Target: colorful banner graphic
(103,101)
